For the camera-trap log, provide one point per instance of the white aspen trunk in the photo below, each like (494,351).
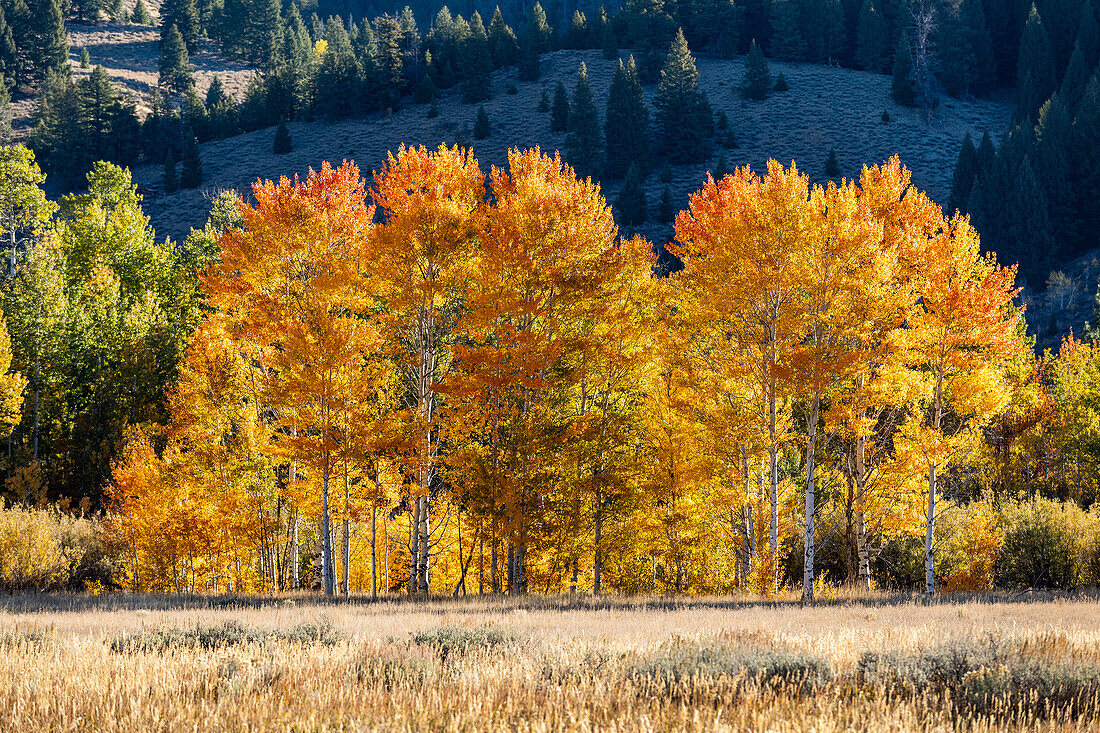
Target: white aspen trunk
(808,539)
(425,534)
(597,564)
(294,552)
(929,564)
(773,496)
(414,547)
(345,571)
(929,535)
(373,550)
(326,541)
(863,552)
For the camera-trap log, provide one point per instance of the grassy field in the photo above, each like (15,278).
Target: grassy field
(825,108)
(156,663)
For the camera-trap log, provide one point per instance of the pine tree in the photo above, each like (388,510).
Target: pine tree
(1052,150)
(666,212)
(559,111)
(577,35)
(781,84)
(282,143)
(902,85)
(832,166)
(263,33)
(477,63)
(957,70)
(972,15)
(528,66)
(583,143)
(966,169)
(9,53)
(1028,233)
(141,15)
(433,110)
(721,167)
(425,91)
(482,127)
(631,202)
(1076,78)
(873,39)
(727,136)
(1035,75)
(684,116)
(1085,174)
(182,15)
(787,43)
(175,68)
(539,29)
(758,79)
(503,45)
(171,181)
(626,125)
(191,173)
(51,52)
(544,102)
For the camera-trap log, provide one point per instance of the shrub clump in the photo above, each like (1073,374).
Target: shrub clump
(448,640)
(228,634)
(681,662)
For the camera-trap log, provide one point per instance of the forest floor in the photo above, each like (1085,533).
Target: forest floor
(126,662)
(825,108)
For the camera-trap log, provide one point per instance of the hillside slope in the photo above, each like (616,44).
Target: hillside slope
(825,108)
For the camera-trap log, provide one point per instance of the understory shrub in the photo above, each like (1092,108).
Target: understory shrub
(228,634)
(47,549)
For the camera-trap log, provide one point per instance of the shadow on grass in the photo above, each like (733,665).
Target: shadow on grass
(78,602)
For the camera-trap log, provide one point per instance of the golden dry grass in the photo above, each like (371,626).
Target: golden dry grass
(555,665)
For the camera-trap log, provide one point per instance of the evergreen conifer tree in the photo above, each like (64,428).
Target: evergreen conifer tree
(171,180)
(832,166)
(482,128)
(528,66)
(626,125)
(1028,237)
(666,212)
(972,15)
(5,113)
(966,169)
(539,29)
(1035,74)
(1052,150)
(9,53)
(787,43)
(503,46)
(50,54)
(872,39)
(631,201)
(425,91)
(140,14)
(902,85)
(477,62)
(544,102)
(263,33)
(583,143)
(191,172)
(85,59)
(175,68)
(559,111)
(721,167)
(282,143)
(182,15)
(684,116)
(758,79)
(1085,173)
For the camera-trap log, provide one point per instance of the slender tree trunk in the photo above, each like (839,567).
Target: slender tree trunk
(294,550)
(494,572)
(425,535)
(597,560)
(414,547)
(481,560)
(929,535)
(345,571)
(773,494)
(811,508)
(326,540)
(373,551)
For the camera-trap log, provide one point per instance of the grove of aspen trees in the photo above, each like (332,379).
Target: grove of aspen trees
(455,380)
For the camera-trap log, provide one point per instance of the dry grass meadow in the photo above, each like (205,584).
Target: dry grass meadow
(825,108)
(540,664)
